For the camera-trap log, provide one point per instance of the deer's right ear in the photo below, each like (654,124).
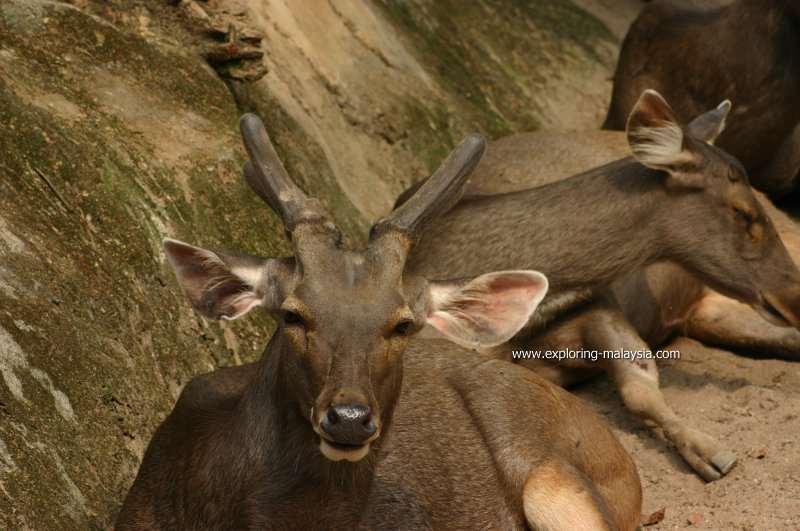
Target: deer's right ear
(709,125)
(224,284)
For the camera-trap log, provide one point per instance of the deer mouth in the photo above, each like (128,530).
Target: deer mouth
(343,451)
(772,313)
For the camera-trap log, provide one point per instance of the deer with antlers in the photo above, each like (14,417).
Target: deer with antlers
(347,421)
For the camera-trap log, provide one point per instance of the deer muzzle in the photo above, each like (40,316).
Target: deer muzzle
(346,431)
(781,308)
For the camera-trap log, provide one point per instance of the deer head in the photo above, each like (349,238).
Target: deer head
(757,268)
(344,317)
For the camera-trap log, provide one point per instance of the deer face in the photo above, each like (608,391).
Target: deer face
(345,317)
(733,247)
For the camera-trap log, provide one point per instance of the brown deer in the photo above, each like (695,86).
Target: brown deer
(655,303)
(698,53)
(323,433)
(679,200)
(663,299)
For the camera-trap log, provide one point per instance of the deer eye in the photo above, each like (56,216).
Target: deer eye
(403,327)
(743,216)
(291,318)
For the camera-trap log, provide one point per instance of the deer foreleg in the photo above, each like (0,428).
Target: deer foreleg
(637,383)
(718,320)
(601,327)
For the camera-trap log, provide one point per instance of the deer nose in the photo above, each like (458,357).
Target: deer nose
(349,424)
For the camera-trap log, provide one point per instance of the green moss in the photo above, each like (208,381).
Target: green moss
(483,53)
(109,327)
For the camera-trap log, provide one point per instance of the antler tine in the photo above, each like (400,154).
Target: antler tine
(441,191)
(266,175)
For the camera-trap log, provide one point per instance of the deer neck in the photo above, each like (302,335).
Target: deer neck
(602,225)
(283,451)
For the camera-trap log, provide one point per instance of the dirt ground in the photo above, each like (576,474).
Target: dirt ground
(752,405)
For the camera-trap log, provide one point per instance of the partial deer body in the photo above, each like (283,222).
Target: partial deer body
(697,53)
(347,422)
(679,199)
(662,299)
(603,227)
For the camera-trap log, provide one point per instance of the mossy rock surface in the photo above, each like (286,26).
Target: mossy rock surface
(114,136)
(108,144)
(386,88)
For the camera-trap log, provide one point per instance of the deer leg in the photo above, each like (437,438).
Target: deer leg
(718,320)
(637,383)
(601,326)
(561,335)
(556,497)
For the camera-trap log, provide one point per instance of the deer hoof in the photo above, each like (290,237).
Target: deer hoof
(724,461)
(710,459)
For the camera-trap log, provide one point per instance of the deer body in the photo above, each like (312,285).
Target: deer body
(422,477)
(582,253)
(679,200)
(698,53)
(662,299)
(347,422)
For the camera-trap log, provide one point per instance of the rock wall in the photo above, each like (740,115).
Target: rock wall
(116,132)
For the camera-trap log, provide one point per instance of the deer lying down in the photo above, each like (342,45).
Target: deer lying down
(322,433)
(663,299)
(680,200)
(697,53)
(647,306)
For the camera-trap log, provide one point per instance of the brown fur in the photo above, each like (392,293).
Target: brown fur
(466,435)
(643,308)
(556,497)
(663,299)
(256,447)
(590,229)
(699,52)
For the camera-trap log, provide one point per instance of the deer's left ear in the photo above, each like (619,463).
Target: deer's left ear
(655,136)
(487,310)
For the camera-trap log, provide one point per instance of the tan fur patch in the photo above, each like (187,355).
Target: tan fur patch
(554,499)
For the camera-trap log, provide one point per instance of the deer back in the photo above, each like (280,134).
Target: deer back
(698,53)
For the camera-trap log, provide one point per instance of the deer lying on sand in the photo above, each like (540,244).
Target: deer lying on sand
(697,53)
(323,433)
(680,200)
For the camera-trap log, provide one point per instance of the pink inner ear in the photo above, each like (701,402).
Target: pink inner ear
(651,111)
(490,309)
(506,303)
(182,253)
(210,285)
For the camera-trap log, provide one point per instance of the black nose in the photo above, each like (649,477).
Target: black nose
(348,424)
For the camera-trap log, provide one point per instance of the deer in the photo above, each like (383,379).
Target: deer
(663,299)
(350,422)
(698,53)
(679,199)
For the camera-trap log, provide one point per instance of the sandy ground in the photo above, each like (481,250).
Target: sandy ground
(752,405)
